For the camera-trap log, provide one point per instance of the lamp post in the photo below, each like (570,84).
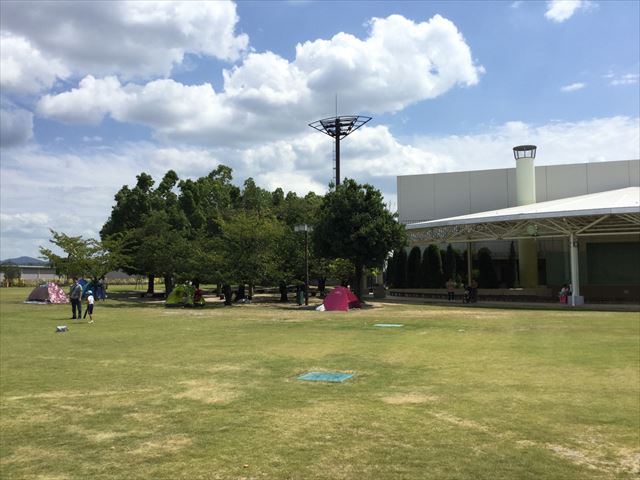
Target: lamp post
(306,229)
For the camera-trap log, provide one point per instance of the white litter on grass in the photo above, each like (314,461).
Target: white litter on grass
(61,328)
(389,325)
(320,308)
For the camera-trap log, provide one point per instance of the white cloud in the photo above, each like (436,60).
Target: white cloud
(375,151)
(613,138)
(127,38)
(560,10)
(627,79)
(573,87)
(400,63)
(16,127)
(23,68)
(88,103)
(24,223)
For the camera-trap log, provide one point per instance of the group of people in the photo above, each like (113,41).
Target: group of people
(565,293)
(76,294)
(470,291)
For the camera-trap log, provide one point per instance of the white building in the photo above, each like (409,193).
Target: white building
(468,208)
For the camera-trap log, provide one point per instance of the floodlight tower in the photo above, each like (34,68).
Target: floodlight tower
(338,128)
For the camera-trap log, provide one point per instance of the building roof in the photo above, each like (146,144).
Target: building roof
(624,200)
(609,212)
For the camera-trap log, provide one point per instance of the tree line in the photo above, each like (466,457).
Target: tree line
(209,230)
(433,267)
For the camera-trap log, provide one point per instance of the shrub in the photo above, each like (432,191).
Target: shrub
(487,277)
(414,268)
(432,267)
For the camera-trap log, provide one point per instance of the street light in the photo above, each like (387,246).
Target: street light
(306,229)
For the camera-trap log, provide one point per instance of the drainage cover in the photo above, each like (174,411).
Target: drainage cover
(325,376)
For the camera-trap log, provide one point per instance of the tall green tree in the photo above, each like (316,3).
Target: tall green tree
(414,277)
(449,265)
(82,257)
(250,244)
(11,273)
(487,277)
(354,223)
(163,249)
(132,206)
(401,268)
(433,264)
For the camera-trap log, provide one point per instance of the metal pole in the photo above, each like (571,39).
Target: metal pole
(306,266)
(337,132)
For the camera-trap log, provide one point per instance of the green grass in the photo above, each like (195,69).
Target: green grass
(457,393)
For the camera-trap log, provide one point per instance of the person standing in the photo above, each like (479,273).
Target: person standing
(451,289)
(101,290)
(474,290)
(90,302)
(75,295)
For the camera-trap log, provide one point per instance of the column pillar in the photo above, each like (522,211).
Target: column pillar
(576,298)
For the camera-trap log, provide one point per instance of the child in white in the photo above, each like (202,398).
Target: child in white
(90,302)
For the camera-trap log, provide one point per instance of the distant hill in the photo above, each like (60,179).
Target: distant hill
(25,261)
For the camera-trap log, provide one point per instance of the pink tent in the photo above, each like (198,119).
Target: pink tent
(50,293)
(56,294)
(341,298)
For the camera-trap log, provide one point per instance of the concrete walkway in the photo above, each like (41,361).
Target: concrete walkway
(603,307)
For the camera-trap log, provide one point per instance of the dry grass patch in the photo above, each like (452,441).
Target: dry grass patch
(31,455)
(208,392)
(96,436)
(144,417)
(75,394)
(461,422)
(409,399)
(167,445)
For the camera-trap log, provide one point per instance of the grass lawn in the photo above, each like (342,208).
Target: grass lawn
(456,393)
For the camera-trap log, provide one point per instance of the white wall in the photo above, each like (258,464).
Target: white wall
(443,195)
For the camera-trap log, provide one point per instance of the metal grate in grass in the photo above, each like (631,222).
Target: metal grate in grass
(325,376)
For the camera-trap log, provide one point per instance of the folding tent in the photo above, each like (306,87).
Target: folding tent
(341,298)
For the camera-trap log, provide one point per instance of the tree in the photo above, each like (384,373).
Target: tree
(131,208)
(414,277)
(400,268)
(293,210)
(163,250)
(487,277)
(250,243)
(84,257)
(11,273)
(342,269)
(354,223)
(449,265)
(433,263)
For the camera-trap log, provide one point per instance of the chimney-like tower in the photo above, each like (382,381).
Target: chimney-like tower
(525,195)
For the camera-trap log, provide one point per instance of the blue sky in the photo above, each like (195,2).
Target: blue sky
(93,93)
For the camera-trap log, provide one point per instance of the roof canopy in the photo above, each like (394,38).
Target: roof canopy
(604,213)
